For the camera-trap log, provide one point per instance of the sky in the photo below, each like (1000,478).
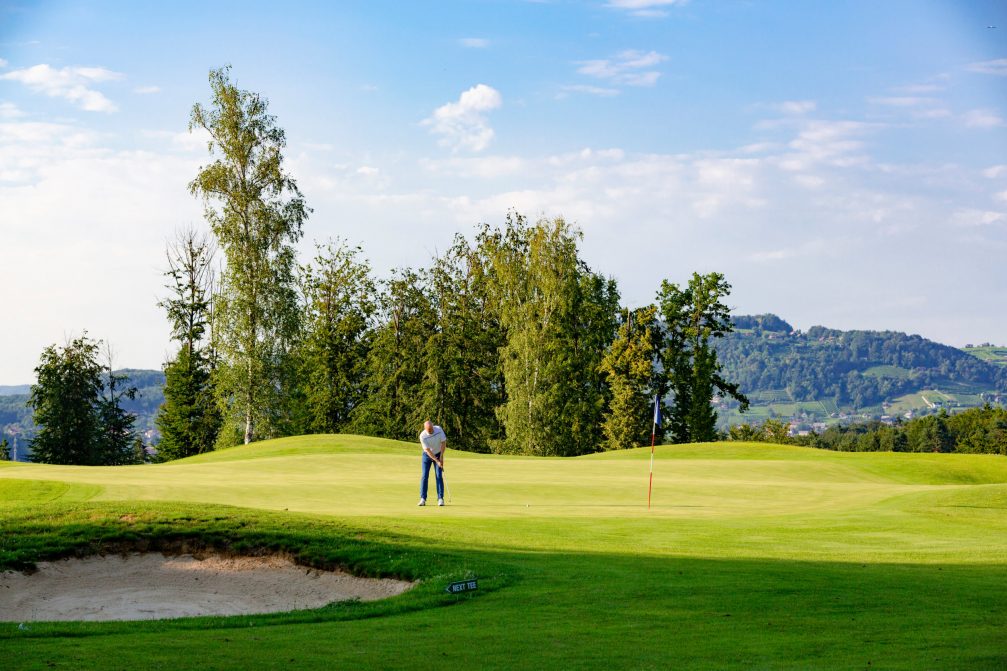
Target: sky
(843,163)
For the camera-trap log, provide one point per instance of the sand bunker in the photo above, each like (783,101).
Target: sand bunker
(152,586)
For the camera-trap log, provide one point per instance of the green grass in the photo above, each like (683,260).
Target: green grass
(995,355)
(752,556)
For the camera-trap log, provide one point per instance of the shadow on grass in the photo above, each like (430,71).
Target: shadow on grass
(534,609)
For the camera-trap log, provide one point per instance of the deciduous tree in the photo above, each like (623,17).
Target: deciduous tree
(256,211)
(693,318)
(559,318)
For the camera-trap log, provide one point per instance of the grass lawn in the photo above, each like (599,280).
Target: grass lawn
(752,556)
(995,355)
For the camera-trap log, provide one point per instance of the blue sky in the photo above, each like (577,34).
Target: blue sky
(843,163)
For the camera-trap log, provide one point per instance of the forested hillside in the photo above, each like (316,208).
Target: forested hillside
(826,372)
(16,416)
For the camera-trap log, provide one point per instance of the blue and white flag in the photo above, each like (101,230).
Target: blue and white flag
(657,410)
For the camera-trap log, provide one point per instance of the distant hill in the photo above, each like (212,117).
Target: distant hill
(14,390)
(825,375)
(16,417)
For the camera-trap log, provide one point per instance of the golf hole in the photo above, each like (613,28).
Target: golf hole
(152,586)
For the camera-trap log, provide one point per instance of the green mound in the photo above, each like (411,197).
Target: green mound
(750,556)
(14,492)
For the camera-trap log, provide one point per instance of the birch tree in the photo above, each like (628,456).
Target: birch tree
(256,213)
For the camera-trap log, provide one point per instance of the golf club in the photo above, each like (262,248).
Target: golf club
(447,490)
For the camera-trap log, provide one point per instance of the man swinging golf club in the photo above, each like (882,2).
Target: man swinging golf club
(434,443)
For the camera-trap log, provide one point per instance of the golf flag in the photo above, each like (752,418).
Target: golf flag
(653,434)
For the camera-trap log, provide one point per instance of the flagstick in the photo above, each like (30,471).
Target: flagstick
(651,485)
(653,434)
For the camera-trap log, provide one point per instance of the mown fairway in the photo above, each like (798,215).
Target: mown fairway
(753,556)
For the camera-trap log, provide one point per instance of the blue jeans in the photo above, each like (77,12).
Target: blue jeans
(425,477)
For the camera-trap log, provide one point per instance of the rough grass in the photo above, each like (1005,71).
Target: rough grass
(752,556)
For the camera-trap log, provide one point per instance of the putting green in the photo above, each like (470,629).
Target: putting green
(828,560)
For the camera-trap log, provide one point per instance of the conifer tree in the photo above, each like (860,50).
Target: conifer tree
(629,364)
(340,305)
(117,439)
(396,362)
(189,419)
(463,383)
(77,404)
(63,401)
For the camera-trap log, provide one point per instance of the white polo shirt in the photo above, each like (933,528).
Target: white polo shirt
(432,441)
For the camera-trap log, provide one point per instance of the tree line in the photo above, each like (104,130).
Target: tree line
(509,339)
(973,431)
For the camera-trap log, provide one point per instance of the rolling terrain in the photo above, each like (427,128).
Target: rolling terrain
(752,556)
(822,376)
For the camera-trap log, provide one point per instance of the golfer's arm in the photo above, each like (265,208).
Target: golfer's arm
(444,448)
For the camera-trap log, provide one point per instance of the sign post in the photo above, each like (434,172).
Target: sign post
(462,586)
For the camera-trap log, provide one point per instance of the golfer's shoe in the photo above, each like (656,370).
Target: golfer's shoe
(422,502)
(440,502)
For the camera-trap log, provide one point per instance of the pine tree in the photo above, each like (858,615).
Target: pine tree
(396,362)
(189,419)
(63,401)
(77,403)
(256,213)
(629,364)
(117,437)
(463,383)
(339,300)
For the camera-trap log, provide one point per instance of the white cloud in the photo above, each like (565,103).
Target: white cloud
(368,171)
(809,219)
(481,167)
(3,63)
(982,118)
(903,101)
(72,83)
(831,143)
(645,8)
(972,218)
(57,182)
(463,124)
(627,68)
(797,106)
(935,113)
(916,89)
(810,248)
(994,67)
(10,111)
(146,90)
(474,42)
(601,91)
(1002,196)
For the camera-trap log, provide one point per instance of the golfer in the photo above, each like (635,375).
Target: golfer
(434,443)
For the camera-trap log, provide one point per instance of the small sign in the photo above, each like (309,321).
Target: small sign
(462,586)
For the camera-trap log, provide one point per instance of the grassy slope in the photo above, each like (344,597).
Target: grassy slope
(752,556)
